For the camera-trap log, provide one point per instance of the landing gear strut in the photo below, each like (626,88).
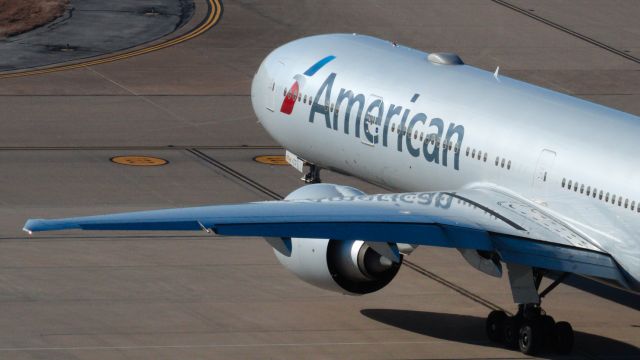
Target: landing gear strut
(530,330)
(313,176)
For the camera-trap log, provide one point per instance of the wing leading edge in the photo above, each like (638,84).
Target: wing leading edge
(472,219)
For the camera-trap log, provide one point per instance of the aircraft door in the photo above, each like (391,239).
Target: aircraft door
(545,164)
(272,84)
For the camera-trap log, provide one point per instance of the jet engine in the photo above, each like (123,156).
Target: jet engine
(351,267)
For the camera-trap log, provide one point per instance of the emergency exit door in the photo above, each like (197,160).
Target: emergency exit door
(546,160)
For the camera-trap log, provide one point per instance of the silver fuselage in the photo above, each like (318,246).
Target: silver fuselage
(426,126)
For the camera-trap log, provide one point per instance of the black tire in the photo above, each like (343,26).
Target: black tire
(495,325)
(530,338)
(563,337)
(547,328)
(510,332)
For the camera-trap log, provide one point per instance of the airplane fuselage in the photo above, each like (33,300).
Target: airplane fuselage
(385,113)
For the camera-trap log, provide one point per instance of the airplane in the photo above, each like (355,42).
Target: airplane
(508,173)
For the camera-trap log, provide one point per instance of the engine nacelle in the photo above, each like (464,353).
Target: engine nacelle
(351,267)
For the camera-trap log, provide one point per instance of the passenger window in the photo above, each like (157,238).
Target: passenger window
(497,160)
(468,151)
(457,148)
(620,201)
(633,205)
(575,186)
(473,154)
(502,163)
(509,165)
(421,136)
(332,109)
(606,198)
(600,197)
(588,190)
(310,99)
(582,189)
(595,193)
(570,183)
(564,182)
(305,99)
(479,154)
(485,157)
(285,92)
(626,203)
(299,97)
(393,127)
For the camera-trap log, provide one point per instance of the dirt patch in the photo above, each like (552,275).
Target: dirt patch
(18,16)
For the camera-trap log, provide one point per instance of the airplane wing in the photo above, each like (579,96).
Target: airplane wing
(479,219)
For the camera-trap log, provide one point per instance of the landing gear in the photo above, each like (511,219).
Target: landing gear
(563,340)
(530,330)
(313,176)
(495,325)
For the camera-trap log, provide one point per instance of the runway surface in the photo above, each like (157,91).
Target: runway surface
(76,295)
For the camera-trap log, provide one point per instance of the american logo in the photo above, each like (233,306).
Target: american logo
(290,99)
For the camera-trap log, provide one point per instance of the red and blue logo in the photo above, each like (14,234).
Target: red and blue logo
(294,91)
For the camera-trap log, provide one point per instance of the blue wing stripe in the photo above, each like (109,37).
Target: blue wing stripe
(559,258)
(409,233)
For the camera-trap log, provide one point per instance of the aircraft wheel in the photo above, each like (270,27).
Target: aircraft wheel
(530,338)
(547,328)
(510,332)
(495,325)
(563,337)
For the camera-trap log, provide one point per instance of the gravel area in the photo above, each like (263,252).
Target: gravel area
(17,17)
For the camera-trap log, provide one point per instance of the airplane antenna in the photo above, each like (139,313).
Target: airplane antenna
(496,73)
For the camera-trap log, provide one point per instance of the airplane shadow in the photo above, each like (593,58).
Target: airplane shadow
(470,330)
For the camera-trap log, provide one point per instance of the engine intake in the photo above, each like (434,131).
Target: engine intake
(359,269)
(351,267)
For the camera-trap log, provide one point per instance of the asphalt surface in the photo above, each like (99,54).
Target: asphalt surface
(76,295)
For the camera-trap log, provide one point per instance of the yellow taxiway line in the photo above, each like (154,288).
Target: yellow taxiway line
(215,10)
